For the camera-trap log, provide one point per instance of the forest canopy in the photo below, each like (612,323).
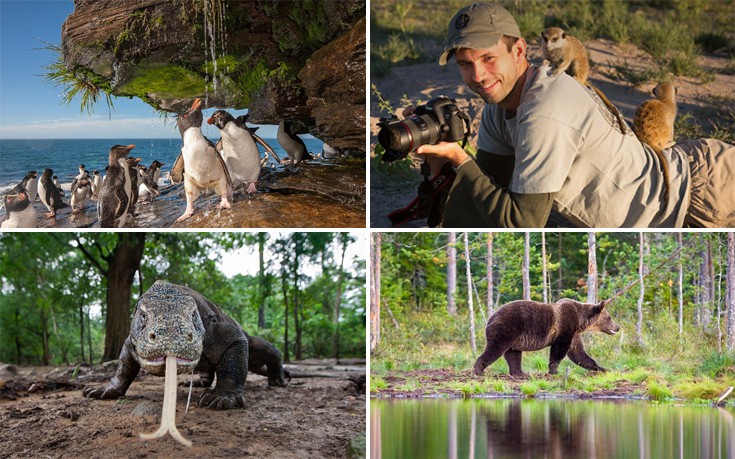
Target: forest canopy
(68,297)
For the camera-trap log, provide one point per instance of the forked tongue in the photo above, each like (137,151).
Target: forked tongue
(168,416)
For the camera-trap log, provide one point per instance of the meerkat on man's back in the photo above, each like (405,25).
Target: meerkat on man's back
(653,122)
(566,53)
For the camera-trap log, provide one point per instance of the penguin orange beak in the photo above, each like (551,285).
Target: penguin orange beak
(195,106)
(130,147)
(210,120)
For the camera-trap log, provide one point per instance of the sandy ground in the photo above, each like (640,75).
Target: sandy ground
(43,414)
(425,81)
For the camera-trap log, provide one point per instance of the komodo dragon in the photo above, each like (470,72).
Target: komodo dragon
(171,319)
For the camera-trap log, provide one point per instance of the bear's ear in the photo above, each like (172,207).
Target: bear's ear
(599,307)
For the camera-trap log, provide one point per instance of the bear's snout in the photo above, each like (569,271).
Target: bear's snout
(611,328)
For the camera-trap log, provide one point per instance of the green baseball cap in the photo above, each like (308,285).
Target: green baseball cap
(478,26)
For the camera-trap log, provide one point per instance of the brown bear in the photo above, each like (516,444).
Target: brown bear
(529,326)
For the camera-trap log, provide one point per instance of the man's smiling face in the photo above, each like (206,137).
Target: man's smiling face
(491,72)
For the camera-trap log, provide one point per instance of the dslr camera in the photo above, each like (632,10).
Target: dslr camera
(439,120)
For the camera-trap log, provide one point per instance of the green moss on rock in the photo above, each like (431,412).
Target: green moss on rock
(227,64)
(166,80)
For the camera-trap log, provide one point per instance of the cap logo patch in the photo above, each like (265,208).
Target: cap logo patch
(462,21)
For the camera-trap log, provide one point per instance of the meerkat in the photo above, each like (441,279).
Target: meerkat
(653,123)
(565,53)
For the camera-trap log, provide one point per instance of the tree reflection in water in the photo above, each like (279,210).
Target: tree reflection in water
(568,429)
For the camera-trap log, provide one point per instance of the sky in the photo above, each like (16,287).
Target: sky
(245,260)
(30,109)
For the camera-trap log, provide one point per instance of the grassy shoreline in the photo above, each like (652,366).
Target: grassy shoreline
(433,358)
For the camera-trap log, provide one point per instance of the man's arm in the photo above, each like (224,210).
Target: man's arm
(499,207)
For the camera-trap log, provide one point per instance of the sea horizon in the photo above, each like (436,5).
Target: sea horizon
(63,156)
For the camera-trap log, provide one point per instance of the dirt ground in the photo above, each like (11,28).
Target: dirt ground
(424,81)
(43,414)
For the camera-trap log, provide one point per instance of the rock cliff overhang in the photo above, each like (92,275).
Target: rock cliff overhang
(302,60)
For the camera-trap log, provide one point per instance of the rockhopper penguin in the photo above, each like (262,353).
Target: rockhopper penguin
(30,185)
(116,191)
(58,185)
(199,163)
(19,210)
(238,150)
(49,194)
(96,182)
(81,189)
(134,176)
(291,143)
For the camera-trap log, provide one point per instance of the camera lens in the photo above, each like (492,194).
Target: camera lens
(402,137)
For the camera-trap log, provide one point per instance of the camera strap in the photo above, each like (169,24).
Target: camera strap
(432,195)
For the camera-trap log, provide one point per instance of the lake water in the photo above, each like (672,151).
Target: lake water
(64,156)
(564,429)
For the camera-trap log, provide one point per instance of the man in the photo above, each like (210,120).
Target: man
(547,141)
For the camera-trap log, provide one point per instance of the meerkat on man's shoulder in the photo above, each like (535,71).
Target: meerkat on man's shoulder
(566,53)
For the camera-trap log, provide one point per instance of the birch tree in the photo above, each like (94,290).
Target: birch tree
(730,292)
(592,268)
(469,293)
(527,268)
(681,283)
(490,280)
(375,239)
(452,274)
(641,267)
(543,267)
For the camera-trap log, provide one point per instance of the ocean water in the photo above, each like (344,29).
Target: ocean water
(18,156)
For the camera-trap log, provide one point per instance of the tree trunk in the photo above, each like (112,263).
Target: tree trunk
(452,274)
(639,324)
(681,283)
(543,268)
(123,263)
(286,357)
(89,335)
(490,281)
(18,347)
(296,306)
(560,274)
(81,332)
(730,292)
(592,268)
(527,268)
(707,281)
(469,293)
(375,239)
(261,281)
(62,345)
(338,299)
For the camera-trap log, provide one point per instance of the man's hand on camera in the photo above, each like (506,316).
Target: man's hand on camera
(449,151)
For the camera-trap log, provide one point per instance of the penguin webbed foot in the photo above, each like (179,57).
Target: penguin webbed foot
(252,189)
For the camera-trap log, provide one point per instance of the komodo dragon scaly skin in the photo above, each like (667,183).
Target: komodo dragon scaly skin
(175,320)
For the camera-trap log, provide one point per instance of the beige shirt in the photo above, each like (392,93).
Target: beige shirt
(566,141)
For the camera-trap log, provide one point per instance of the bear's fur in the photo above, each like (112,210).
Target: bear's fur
(529,326)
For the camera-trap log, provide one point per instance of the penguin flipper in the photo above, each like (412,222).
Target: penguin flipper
(120,197)
(74,185)
(218,147)
(177,172)
(267,147)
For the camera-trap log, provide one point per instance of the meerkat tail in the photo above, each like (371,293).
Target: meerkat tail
(612,108)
